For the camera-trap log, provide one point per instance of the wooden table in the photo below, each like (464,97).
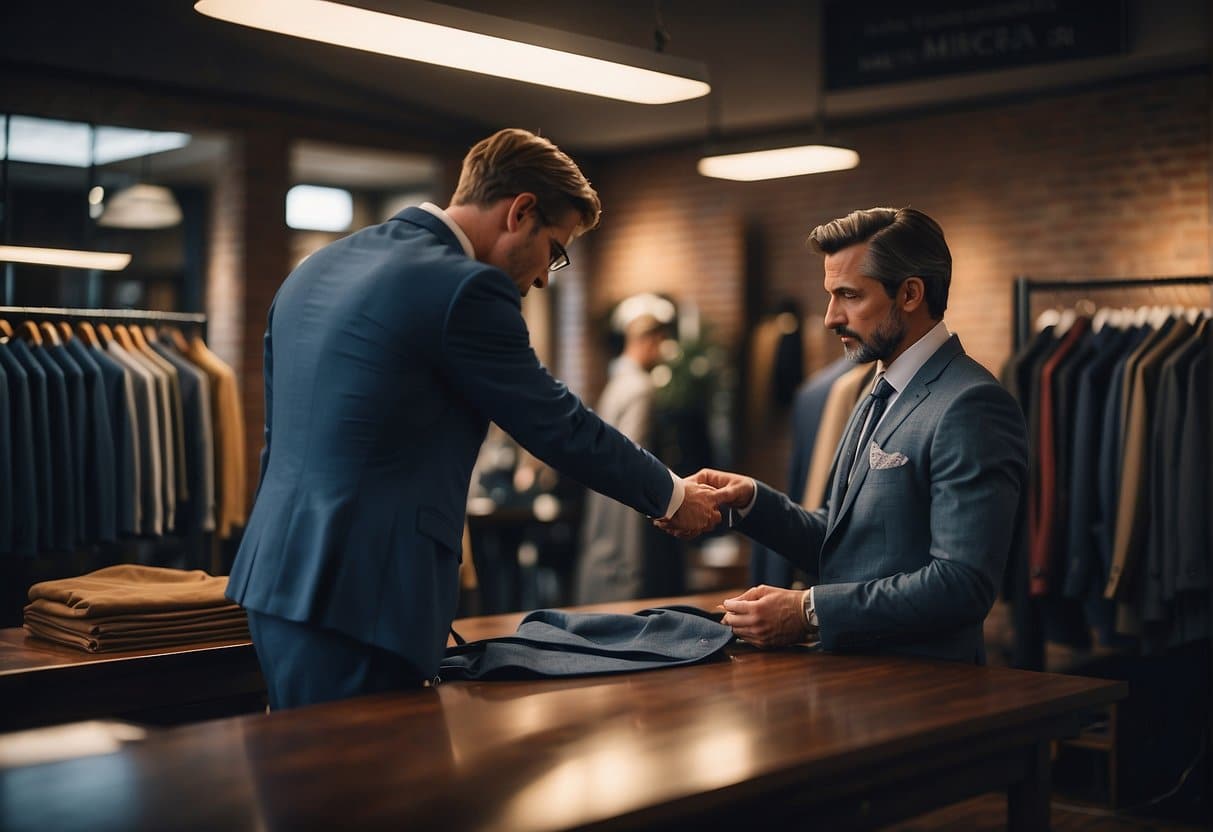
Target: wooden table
(42,683)
(768,739)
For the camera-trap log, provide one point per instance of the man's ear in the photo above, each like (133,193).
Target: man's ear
(911,293)
(519,207)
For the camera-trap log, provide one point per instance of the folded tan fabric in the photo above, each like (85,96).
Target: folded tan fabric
(109,644)
(134,625)
(131,589)
(63,613)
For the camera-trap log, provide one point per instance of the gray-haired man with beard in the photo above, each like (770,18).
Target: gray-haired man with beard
(927,492)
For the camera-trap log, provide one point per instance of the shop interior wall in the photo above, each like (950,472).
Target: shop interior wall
(1109,182)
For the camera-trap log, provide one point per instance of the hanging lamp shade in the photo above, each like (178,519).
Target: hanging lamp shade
(141,206)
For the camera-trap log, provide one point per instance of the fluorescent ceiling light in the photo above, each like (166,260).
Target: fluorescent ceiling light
(313,208)
(141,206)
(53,142)
(106,261)
(452,37)
(778,162)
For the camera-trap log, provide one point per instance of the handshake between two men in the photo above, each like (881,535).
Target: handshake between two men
(764,616)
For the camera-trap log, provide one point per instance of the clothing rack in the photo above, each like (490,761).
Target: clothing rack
(1029,634)
(1025,286)
(19,572)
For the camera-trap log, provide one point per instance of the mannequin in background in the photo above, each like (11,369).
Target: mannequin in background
(611,564)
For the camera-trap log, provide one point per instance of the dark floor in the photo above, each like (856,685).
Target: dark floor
(989,812)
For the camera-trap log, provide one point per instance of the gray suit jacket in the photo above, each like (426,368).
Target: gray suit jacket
(908,558)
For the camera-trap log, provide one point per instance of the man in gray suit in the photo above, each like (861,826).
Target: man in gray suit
(928,485)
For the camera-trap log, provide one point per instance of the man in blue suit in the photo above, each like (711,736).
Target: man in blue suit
(928,485)
(387,353)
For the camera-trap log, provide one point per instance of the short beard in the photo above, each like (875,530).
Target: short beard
(884,341)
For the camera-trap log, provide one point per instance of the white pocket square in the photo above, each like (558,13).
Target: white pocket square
(879,460)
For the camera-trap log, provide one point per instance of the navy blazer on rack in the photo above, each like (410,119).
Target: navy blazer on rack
(41,421)
(386,355)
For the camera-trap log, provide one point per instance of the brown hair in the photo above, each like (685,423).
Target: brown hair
(902,243)
(514,161)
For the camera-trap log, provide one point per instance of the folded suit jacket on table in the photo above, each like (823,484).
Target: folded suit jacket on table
(558,643)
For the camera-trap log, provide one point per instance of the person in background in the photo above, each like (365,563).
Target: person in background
(387,354)
(927,494)
(612,554)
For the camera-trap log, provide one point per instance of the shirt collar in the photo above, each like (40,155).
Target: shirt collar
(906,366)
(451,224)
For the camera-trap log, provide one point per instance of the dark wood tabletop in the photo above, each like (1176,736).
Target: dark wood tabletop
(854,741)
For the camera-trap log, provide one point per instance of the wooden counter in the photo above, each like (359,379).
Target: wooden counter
(768,738)
(49,683)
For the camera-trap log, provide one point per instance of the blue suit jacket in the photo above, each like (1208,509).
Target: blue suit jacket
(387,354)
(908,558)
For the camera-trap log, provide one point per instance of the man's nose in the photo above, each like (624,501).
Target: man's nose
(541,282)
(833,316)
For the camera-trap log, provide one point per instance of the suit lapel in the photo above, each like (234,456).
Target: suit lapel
(837,485)
(907,401)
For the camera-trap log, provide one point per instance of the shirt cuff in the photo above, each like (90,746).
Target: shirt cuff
(676,497)
(744,510)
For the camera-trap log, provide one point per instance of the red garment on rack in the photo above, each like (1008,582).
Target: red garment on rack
(1040,548)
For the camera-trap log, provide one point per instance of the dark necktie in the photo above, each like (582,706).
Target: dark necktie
(869,415)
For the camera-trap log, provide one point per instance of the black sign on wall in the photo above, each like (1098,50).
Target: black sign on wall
(887,41)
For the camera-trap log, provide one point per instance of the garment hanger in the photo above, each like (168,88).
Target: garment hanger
(136,332)
(51,335)
(178,339)
(107,334)
(88,334)
(5,329)
(30,330)
(124,338)
(1046,319)
(1065,320)
(1104,316)
(65,329)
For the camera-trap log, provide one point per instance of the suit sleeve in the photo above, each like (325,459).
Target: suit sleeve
(787,529)
(487,351)
(978,464)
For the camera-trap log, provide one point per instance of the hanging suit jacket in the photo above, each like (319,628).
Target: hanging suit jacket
(63,478)
(386,355)
(100,514)
(44,468)
(909,557)
(124,432)
(24,528)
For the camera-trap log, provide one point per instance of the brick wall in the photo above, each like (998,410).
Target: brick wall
(1112,182)
(249,257)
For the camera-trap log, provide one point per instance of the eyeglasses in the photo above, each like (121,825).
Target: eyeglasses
(559,258)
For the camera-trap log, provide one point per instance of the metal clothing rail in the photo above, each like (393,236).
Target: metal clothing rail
(143,315)
(1025,286)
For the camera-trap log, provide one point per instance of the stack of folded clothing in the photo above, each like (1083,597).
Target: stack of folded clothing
(131,607)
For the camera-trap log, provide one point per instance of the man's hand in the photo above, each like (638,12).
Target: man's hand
(697,514)
(736,490)
(767,617)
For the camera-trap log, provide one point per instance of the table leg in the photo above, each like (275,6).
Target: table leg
(1028,799)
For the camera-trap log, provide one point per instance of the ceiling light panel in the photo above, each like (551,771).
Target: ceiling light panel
(460,39)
